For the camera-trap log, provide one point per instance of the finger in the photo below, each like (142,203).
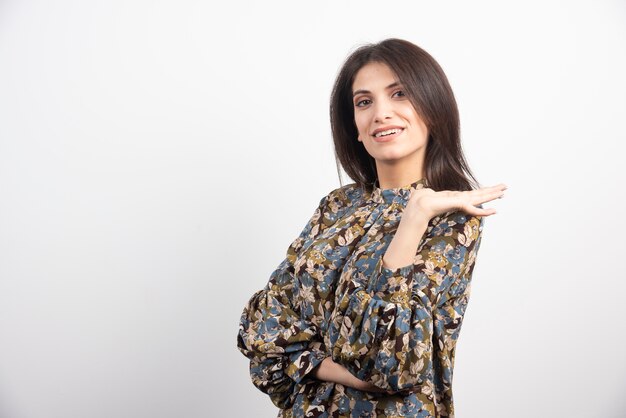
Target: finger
(477,197)
(487,191)
(473,210)
(484,191)
(483,196)
(488,197)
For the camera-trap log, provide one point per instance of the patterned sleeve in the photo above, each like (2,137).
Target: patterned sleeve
(390,332)
(447,319)
(282,346)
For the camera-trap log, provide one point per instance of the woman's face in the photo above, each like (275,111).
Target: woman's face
(379,105)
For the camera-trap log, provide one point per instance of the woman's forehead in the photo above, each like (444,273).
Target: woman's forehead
(374,75)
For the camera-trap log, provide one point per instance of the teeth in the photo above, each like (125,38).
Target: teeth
(387,132)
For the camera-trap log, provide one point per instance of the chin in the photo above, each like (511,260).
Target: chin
(390,158)
(393,153)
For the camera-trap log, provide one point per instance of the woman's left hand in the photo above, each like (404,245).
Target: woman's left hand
(430,203)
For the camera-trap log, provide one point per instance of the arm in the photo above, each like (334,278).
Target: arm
(330,371)
(403,246)
(383,332)
(448,317)
(283,347)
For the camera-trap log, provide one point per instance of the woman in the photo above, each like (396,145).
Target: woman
(362,316)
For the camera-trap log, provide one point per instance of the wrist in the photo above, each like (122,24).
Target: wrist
(417,218)
(323,370)
(343,376)
(351,380)
(401,250)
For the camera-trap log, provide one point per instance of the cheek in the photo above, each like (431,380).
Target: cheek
(360,122)
(417,120)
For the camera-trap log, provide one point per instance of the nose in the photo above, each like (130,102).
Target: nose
(383,110)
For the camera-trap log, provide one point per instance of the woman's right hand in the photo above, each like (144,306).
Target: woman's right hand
(330,371)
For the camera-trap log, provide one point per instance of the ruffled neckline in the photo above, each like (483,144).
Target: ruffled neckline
(397,194)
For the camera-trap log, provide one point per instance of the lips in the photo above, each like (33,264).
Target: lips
(386,128)
(387,138)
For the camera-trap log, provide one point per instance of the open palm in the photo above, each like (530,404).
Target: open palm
(430,203)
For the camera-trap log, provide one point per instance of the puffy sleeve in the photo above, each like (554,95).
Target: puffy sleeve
(447,319)
(399,329)
(282,345)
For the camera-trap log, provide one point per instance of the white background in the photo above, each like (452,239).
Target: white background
(157,158)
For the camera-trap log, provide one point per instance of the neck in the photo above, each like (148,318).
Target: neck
(398,175)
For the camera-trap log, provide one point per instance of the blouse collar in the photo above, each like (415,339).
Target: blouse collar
(397,194)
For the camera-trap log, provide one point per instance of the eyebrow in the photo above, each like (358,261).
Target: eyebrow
(394,84)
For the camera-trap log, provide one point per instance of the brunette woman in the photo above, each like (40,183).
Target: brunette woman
(362,316)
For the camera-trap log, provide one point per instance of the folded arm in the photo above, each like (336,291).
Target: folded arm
(283,347)
(383,331)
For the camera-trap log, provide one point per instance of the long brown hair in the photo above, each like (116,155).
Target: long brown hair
(429,91)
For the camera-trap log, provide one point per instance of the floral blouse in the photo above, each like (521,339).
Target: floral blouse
(332,296)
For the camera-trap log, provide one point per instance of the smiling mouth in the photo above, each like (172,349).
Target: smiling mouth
(388,135)
(388,132)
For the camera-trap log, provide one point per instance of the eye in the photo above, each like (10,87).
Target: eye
(399,91)
(358,104)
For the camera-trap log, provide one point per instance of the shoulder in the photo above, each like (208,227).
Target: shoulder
(344,196)
(339,200)
(346,192)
